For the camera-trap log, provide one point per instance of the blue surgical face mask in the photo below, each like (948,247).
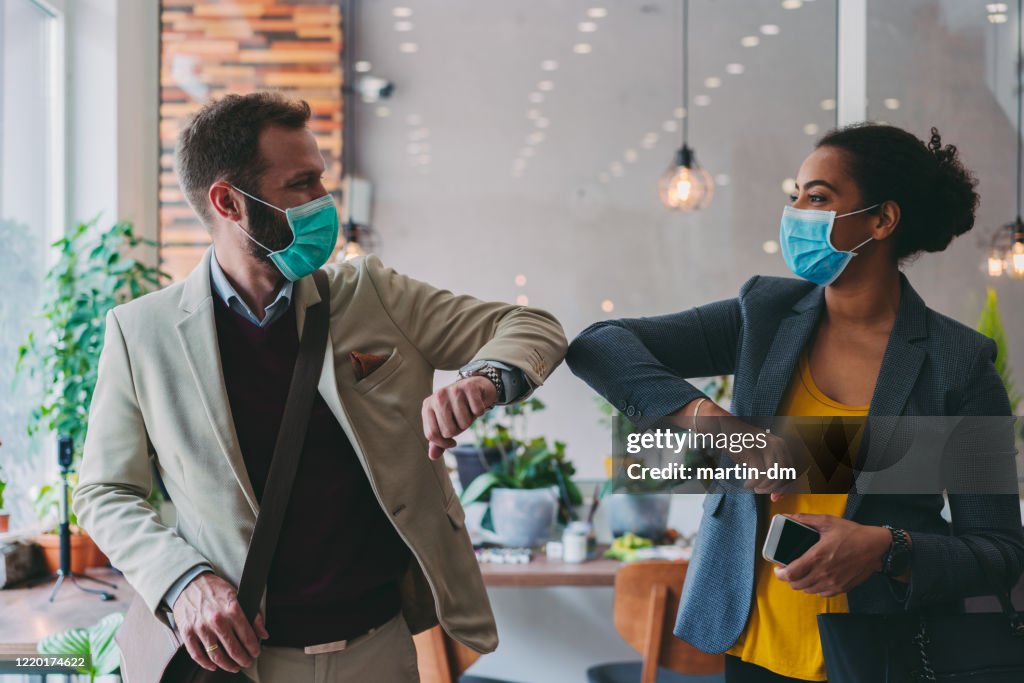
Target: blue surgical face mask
(805,236)
(314,228)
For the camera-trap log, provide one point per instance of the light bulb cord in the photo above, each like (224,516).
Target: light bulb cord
(1020,69)
(686,71)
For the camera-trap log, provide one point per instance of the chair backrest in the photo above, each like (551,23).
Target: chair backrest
(646,600)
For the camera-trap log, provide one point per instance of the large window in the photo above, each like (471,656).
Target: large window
(31,201)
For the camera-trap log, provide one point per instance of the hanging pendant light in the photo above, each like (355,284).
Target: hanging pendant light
(1006,252)
(685,185)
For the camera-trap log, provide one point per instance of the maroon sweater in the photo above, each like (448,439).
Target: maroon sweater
(338,562)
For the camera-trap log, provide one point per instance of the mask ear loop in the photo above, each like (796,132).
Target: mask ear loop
(854,250)
(246,232)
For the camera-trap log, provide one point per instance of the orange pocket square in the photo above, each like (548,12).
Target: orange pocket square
(363,364)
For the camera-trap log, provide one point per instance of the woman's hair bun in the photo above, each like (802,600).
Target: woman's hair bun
(935,192)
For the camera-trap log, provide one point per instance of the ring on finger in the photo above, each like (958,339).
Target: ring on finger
(211,648)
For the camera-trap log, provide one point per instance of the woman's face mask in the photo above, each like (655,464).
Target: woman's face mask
(314,227)
(805,238)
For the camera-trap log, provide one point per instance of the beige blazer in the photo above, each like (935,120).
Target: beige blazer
(160,394)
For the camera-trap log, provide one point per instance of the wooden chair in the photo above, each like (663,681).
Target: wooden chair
(443,660)
(646,600)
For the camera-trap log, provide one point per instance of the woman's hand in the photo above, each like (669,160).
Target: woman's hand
(713,419)
(845,556)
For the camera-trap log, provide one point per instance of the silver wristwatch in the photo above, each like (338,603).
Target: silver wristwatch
(484,369)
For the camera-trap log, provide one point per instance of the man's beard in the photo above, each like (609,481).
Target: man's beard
(268,227)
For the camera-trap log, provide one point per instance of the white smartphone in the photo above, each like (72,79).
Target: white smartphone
(787,540)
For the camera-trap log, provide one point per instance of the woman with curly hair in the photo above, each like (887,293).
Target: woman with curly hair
(850,337)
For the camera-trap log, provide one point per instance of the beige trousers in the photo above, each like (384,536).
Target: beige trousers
(387,655)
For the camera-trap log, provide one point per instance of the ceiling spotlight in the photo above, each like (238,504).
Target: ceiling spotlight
(722,179)
(792,4)
(891,103)
(997,18)
(734,69)
(362,66)
(789,186)
(702,100)
(712,82)
(549,65)
(587,27)
(408,48)
(403,26)
(533,114)
(770,30)
(994,7)
(770,247)
(631,156)
(541,122)
(679,112)
(535,97)
(607,305)
(401,12)
(582,48)
(828,104)
(811,129)
(546,86)
(670,126)
(750,41)
(520,280)
(522,300)
(535,138)
(383,111)
(597,13)
(617,169)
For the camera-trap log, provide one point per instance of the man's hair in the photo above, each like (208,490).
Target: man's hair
(221,142)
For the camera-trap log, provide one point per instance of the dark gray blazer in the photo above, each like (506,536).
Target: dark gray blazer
(932,365)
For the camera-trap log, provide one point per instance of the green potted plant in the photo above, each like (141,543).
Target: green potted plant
(496,434)
(991,325)
(95,644)
(5,518)
(95,271)
(526,490)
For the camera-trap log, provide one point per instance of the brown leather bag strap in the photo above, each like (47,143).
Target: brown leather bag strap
(287,450)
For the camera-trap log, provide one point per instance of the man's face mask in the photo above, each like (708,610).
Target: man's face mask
(805,237)
(314,227)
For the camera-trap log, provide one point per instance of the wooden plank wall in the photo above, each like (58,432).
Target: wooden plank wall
(209,48)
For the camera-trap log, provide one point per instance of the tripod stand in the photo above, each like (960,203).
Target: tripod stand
(65,451)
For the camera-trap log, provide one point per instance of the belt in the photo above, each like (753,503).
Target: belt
(338,645)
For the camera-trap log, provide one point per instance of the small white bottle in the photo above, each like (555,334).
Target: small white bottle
(575,542)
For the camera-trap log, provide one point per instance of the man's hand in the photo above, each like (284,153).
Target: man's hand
(207,613)
(451,410)
(847,554)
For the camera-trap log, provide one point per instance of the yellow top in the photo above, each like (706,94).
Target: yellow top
(782,633)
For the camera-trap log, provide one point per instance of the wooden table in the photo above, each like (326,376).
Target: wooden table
(27,616)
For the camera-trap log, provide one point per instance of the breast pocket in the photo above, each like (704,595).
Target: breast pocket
(387,369)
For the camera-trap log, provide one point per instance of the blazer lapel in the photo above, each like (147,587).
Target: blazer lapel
(787,344)
(198,335)
(305,296)
(901,365)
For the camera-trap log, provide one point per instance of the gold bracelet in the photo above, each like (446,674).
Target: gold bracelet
(697,410)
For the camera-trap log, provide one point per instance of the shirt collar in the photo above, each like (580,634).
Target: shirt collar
(222,287)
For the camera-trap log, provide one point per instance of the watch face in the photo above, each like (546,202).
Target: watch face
(474,366)
(900,561)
